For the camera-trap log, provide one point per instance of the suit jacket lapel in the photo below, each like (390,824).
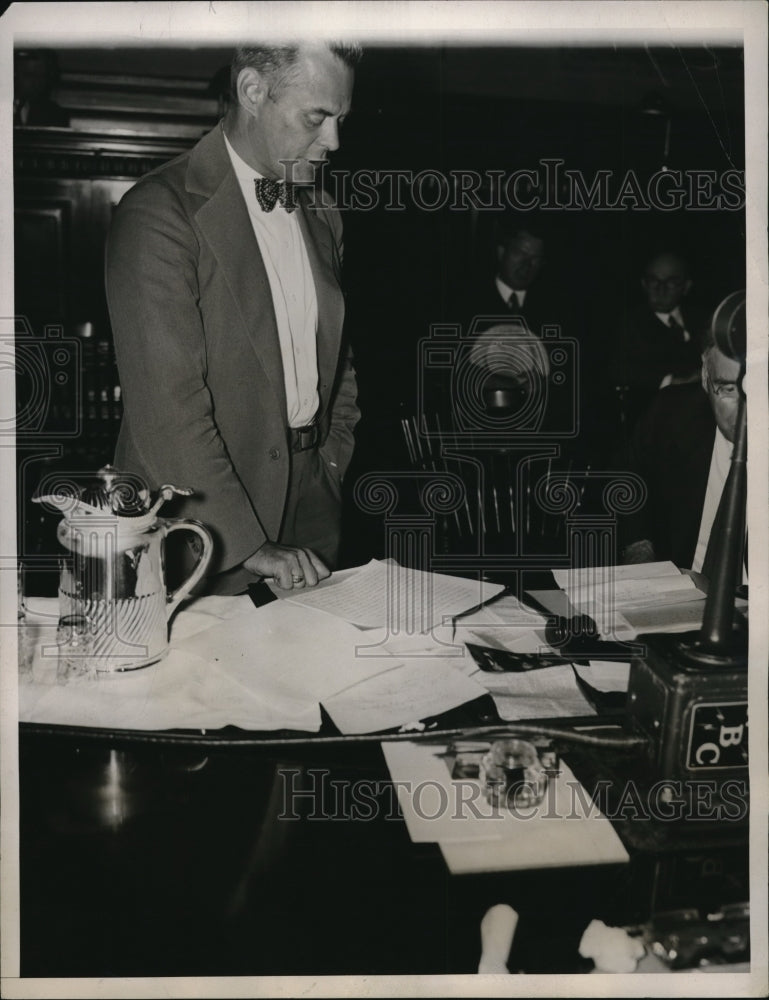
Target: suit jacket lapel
(223,219)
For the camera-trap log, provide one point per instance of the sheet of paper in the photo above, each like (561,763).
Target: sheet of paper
(555,601)
(182,691)
(624,593)
(661,598)
(405,600)
(605,675)
(284,649)
(568,579)
(642,585)
(517,696)
(673,618)
(259,669)
(563,843)
(507,611)
(539,694)
(564,829)
(407,693)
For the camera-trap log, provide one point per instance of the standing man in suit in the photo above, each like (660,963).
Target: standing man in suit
(682,449)
(223,286)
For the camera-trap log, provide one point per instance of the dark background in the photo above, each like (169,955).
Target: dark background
(435,107)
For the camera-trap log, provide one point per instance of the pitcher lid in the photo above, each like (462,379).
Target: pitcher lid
(111,493)
(118,493)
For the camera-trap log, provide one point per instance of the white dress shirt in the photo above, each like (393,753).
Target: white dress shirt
(719,470)
(678,317)
(281,243)
(506,291)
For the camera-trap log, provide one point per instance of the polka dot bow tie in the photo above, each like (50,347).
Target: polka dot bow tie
(269,193)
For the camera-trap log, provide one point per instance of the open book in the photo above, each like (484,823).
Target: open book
(643,585)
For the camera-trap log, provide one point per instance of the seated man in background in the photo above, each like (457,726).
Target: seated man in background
(660,340)
(682,449)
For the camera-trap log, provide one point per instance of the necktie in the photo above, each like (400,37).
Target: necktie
(514,305)
(676,327)
(269,193)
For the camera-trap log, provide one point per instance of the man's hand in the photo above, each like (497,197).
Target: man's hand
(291,568)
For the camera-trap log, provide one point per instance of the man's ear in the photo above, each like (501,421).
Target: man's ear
(704,374)
(251,89)
(687,285)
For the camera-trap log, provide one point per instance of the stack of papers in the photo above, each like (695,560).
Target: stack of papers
(565,829)
(271,668)
(624,587)
(625,601)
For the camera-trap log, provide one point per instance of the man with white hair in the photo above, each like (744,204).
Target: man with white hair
(682,449)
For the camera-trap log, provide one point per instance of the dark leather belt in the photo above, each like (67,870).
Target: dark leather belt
(303,438)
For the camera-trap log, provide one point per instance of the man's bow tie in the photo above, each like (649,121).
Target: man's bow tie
(269,193)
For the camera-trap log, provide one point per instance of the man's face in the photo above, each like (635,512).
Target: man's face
(301,120)
(665,283)
(719,380)
(520,260)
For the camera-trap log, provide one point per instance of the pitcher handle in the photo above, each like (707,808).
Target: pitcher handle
(182,591)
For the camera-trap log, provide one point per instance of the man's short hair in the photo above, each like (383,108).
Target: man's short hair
(511,224)
(276,62)
(667,250)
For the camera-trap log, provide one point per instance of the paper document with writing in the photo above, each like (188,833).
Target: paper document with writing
(259,669)
(300,652)
(547,693)
(410,691)
(552,693)
(642,585)
(566,828)
(385,593)
(507,624)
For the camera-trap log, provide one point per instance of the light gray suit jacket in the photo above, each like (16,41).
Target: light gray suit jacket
(198,353)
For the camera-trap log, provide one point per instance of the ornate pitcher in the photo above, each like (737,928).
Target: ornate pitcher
(114,578)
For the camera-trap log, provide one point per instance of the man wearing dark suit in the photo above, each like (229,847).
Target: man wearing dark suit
(509,313)
(226,308)
(520,285)
(660,340)
(682,450)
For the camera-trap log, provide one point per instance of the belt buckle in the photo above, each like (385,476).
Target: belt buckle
(306,437)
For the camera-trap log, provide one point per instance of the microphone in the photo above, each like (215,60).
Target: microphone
(729,326)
